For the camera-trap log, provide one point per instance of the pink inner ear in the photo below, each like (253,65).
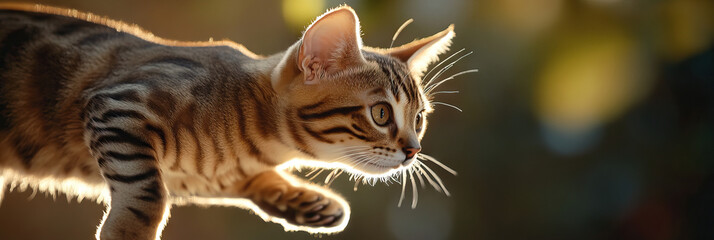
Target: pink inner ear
(327,35)
(331,42)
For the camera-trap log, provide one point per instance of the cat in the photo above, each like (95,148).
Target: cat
(99,109)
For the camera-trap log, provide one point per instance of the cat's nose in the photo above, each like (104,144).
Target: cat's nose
(411,151)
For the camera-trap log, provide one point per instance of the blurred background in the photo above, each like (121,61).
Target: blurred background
(588,119)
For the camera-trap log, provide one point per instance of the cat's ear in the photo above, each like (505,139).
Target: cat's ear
(330,44)
(419,53)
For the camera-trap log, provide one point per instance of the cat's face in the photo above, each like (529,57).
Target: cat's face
(358,106)
(370,118)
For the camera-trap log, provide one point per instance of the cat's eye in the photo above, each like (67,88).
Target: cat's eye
(381,113)
(418,121)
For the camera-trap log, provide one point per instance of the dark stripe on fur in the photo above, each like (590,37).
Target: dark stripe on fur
(242,124)
(140,215)
(296,136)
(120,136)
(331,112)
(183,121)
(313,106)
(51,69)
(98,100)
(343,130)
(393,130)
(178,61)
(153,190)
(229,136)
(268,122)
(128,157)
(162,103)
(151,173)
(394,88)
(357,128)
(102,162)
(159,133)
(316,135)
(26,151)
(11,46)
(111,114)
(216,149)
(407,86)
(148,198)
(4,112)
(15,42)
(75,27)
(199,158)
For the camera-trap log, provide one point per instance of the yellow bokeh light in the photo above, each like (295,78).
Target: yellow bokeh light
(588,80)
(299,13)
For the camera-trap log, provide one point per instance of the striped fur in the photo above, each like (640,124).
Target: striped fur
(144,122)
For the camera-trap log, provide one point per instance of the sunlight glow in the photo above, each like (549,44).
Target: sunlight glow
(249,205)
(71,187)
(400,175)
(371,179)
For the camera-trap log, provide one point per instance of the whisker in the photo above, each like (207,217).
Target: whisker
(445,68)
(369,159)
(432,159)
(317,174)
(359,159)
(404,186)
(421,180)
(415,192)
(428,178)
(448,105)
(333,175)
(351,148)
(441,62)
(440,92)
(329,175)
(429,88)
(311,172)
(357,181)
(438,179)
(404,25)
(348,151)
(352,154)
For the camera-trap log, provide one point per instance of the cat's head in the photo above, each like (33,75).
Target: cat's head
(360,106)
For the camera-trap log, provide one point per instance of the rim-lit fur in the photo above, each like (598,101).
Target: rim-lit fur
(100,109)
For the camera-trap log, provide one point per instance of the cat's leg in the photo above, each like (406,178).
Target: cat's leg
(299,204)
(138,205)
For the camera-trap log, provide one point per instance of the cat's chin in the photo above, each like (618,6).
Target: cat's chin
(374,169)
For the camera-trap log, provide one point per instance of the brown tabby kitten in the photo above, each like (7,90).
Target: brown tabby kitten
(100,109)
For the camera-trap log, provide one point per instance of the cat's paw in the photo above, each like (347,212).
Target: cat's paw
(302,206)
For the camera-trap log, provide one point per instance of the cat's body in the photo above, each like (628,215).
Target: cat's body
(113,112)
(55,66)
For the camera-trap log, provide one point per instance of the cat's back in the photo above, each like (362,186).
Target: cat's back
(52,61)
(47,63)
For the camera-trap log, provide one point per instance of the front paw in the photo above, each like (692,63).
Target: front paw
(301,206)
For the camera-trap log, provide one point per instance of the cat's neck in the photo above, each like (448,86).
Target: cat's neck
(285,69)
(274,74)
